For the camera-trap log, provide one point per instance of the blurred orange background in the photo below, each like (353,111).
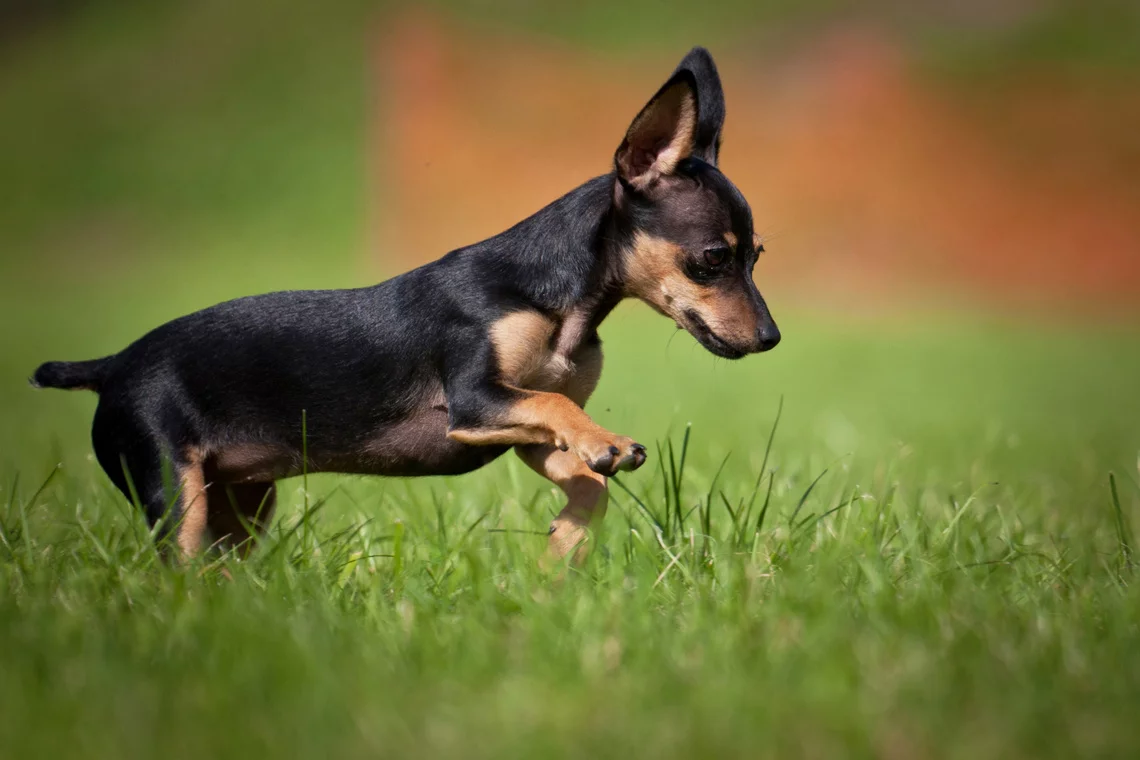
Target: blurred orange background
(877,182)
(896,155)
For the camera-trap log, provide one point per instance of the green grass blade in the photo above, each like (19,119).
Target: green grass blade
(1123,532)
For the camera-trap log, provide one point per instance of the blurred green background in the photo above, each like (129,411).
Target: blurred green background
(155,160)
(954,259)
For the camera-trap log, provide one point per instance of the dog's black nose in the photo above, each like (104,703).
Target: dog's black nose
(767,337)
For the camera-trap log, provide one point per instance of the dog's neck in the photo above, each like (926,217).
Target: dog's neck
(566,258)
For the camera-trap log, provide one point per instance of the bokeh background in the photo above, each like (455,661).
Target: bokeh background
(902,158)
(950,194)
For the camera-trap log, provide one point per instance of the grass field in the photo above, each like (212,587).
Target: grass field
(925,557)
(930,561)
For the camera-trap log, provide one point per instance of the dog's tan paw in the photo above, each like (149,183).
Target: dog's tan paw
(607,455)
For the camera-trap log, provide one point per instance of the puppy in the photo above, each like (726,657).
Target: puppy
(443,369)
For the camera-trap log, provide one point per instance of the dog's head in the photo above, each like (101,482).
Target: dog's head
(692,247)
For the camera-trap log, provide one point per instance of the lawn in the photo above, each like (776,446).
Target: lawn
(895,536)
(929,561)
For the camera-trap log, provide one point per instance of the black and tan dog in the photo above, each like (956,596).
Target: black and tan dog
(440,370)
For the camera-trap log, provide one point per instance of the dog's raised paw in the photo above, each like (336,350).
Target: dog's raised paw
(620,454)
(633,459)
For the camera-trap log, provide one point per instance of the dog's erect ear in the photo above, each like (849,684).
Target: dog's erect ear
(683,119)
(710,103)
(662,135)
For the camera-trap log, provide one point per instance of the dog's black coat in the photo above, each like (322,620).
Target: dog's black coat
(370,380)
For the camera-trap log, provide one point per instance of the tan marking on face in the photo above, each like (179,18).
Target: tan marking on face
(653,274)
(757,241)
(192,515)
(731,240)
(729,313)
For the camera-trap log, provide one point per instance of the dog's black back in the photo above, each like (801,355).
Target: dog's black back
(423,374)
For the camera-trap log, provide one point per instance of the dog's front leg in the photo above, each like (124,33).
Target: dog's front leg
(586,497)
(506,416)
(552,435)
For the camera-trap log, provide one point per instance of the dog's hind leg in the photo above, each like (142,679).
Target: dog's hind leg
(169,483)
(191,513)
(239,513)
(586,497)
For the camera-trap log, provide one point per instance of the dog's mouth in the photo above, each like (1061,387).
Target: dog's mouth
(704,334)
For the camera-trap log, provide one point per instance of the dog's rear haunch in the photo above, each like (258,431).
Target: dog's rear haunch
(441,370)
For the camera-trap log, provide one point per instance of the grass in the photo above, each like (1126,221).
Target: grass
(946,575)
(931,554)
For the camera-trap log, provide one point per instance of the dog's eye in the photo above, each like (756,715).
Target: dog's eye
(716,257)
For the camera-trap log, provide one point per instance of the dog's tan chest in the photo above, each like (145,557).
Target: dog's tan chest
(537,353)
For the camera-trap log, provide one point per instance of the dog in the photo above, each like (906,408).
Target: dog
(442,369)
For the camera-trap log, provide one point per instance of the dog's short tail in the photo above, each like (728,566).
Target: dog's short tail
(72,376)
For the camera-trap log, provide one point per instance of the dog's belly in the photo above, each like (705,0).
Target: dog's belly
(417,445)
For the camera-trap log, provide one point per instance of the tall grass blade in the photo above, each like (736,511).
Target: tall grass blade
(43,486)
(767,502)
(804,497)
(747,512)
(645,510)
(1122,527)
